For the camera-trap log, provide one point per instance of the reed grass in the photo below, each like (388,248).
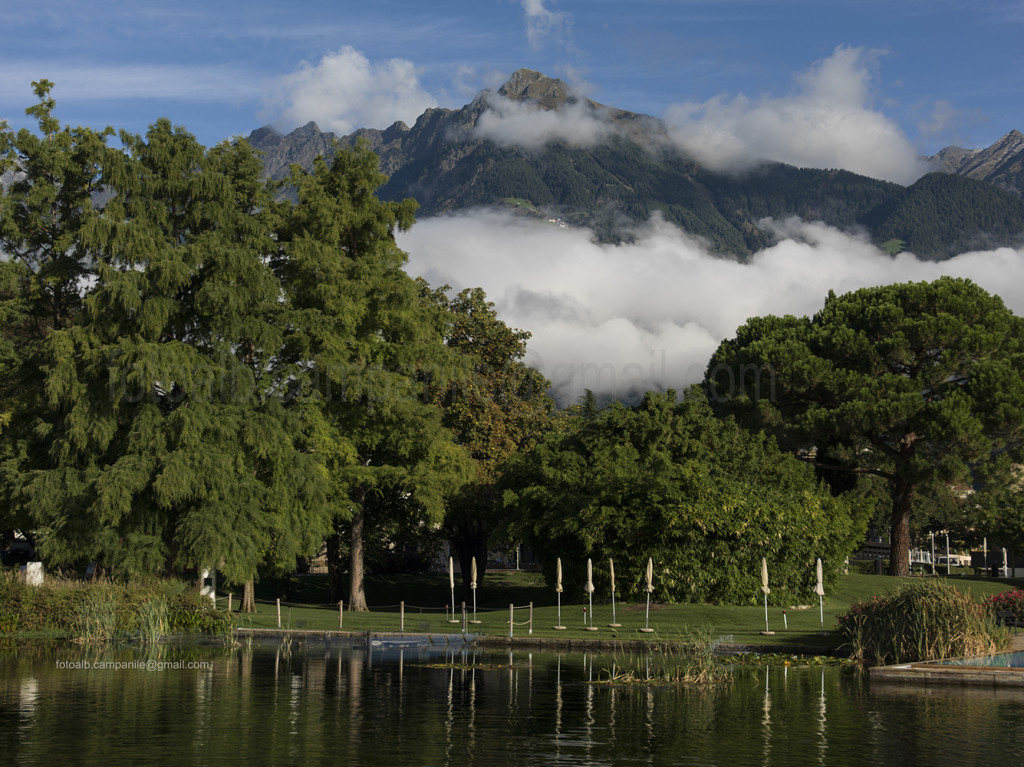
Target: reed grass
(153,619)
(96,619)
(690,661)
(100,611)
(922,620)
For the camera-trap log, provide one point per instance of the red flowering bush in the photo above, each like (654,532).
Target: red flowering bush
(1008,601)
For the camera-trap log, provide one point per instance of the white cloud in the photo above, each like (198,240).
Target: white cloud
(74,81)
(522,123)
(542,23)
(345,91)
(827,123)
(622,319)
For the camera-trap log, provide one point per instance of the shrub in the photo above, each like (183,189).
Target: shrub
(102,610)
(1008,601)
(922,620)
(190,612)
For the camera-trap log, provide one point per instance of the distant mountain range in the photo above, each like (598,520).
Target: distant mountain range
(450,161)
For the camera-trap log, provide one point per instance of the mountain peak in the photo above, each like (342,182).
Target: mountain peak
(1001,164)
(529,85)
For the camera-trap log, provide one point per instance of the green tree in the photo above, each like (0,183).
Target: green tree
(496,408)
(45,215)
(999,517)
(160,437)
(702,497)
(917,383)
(362,343)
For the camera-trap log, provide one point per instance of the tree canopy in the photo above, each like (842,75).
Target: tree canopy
(916,383)
(496,407)
(702,497)
(151,434)
(198,373)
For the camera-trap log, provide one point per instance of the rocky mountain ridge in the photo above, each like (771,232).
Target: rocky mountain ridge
(447,162)
(1001,164)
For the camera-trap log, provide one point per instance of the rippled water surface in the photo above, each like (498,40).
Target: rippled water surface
(317,704)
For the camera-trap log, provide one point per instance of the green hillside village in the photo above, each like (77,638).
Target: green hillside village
(226,408)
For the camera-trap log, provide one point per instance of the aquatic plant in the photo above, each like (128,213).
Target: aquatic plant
(96,618)
(99,611)
(152,618)
(690,661)
(922,620)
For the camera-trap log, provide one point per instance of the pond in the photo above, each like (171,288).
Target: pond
(996,660)
(315,703)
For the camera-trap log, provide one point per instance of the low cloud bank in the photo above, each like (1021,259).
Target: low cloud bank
(624,319)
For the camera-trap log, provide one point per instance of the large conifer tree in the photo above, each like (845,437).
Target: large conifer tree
(362,344)
(45,215)
(162,438)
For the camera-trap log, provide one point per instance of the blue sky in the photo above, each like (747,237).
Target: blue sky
(932,72)
(866,85)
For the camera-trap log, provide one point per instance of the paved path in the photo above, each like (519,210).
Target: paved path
(1017,643)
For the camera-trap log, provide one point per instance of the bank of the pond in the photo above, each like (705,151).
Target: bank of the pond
(412,605)
(101,611)
(525,643)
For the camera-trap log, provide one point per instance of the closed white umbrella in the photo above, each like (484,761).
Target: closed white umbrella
(451,584)
(590,593)
(819,589)
(650,587)
(767,591)
(558,590)
(472,586)
(611,578)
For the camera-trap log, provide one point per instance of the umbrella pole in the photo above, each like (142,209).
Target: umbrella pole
(821,611)
(765,612)
(559,627)
(647,617)
(591,626)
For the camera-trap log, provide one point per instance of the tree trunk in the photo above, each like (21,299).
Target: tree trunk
(356,595)
(335,572)
(249,596)
(899,546)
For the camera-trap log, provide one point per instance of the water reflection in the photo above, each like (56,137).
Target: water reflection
(287,704)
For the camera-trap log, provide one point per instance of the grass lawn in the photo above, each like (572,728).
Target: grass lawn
(425,597)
